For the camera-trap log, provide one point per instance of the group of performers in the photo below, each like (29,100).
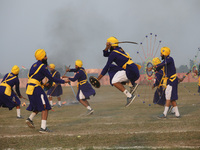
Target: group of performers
(119,66)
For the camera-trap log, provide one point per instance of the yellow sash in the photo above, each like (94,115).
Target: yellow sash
(53,84)
(129,61)
(8,89)
(30,88)
(199,81)
(83,81)
(173,77)
(164,79)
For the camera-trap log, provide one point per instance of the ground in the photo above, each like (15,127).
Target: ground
(112,126)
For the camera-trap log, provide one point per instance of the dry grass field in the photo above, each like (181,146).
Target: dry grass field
(111,126)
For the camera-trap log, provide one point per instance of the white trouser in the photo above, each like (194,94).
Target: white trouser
(168,92)
(120,76)
(81,96)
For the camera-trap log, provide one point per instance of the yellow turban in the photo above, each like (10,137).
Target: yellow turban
(15,69)
(156,61)
(79,63)
(165,51)
(113,40)
(52,66)
(40,54)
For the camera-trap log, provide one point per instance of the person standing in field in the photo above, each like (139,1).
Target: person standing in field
(38,98)
(56,89)
(171,91)
(85,90)
(9,98)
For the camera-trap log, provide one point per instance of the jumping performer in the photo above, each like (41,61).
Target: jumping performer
(38,98)
(130,69)
(85,90)
(7,94)
(56,89)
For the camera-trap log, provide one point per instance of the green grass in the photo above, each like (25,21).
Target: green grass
(111,126)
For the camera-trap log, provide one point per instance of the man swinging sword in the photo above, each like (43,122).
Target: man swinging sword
(130,70)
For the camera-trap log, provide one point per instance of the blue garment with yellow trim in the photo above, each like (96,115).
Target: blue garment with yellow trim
(36,103)
(106,53)
(113,69)
(159,95)
(170,70)
(132,71)
(86,88)
(57,91)
(5,100)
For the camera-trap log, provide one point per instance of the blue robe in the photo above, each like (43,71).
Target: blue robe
(113,69)
(170,70)
(86,88)
(36,103)
(159,95)
(10,101)
(132,71)
(57,91)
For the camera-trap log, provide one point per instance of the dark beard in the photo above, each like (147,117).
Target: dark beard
(44,61)
(163,57)
(111,49)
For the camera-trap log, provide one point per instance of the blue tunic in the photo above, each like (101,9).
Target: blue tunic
(159,95)
(106,53)
(57,90)
(132,71)
(10,101)
(36,103)
(113,69)
(83,84)
(170,70)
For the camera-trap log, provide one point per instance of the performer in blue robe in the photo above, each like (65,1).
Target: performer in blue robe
(159,95)
(38,98)
(8,97)
(56,89)
(171,92)
(85,90)
(123,60)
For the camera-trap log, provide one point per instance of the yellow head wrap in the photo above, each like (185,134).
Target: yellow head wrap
(165,51)
(52,66)
(156,61)
(15,70)
(40,54)
(79,63)
(113,40)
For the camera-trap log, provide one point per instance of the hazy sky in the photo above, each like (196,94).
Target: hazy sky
(78,29)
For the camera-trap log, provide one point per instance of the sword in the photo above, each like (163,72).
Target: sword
(126,42)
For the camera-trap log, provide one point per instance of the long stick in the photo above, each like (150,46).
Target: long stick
(54,89)
(72,90)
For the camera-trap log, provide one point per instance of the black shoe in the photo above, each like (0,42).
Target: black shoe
(130,100)
(134,88)
(20,117)
(162,116)
(89,112)
(29,122)
(44,130)
(178,116)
